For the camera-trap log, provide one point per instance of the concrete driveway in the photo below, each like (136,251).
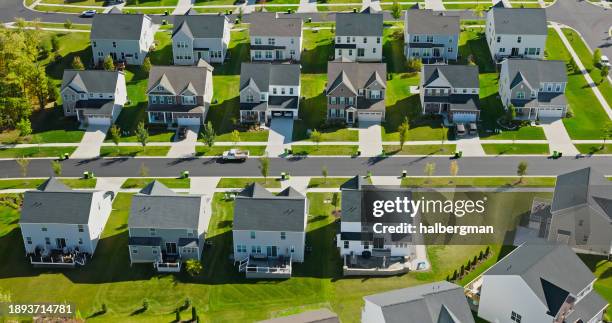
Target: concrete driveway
(89,147)
(370,139)
(557,136)
(281,132)
(186,147)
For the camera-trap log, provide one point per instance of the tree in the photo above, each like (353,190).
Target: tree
(40,86)
(193,267)
(430,169)
(240,13)
(55,43)
(335,202)
(521,170)
(479,11)
(144,170)
(115,133)
(56,165)
(572,65)
(235,137)
(24,126)
(23,165)
(403,132)
(264,167)
(68,24)
(324,173)
(208,134)
(453,168)
(606,132)
(604,73)
(510,113)
(444,136)
(108,63)
(396,10)
(77,64)
(146,64)
(194,314)
(414,64)
(597,56)
(142,134)
(316,137)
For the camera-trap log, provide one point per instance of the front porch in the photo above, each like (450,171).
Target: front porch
(56,258)
(261,266)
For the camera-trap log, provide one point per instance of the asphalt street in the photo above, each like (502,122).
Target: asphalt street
(337,166)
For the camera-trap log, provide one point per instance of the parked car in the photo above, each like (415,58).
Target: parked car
(88,13)
(605,61)
(235,155)
(182,133)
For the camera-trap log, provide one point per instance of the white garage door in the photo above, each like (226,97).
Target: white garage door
(99,121)
(188,121)
(462,117)
(370,116)
(551,113)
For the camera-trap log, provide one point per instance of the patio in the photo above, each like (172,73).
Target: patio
(266,267)
(375,266)
(57,258)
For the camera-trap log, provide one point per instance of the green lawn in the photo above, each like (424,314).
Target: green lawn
(321,150)
(27,183)
(35,152)
(218,150)
(255,135)
(151,3)
(330,182)
(111,151)
(589,116)
(240,182)
(601,268)
(516,149)
(141,182)
(594,148)
(421,149)
(479,181)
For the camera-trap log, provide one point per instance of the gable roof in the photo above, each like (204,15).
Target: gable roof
(178,78)
(455,76)
(359,24)
(54,202)
(428,22)
(580,187)
(118,26)
(156,206)
(535,71)
(259,210)
(201,26)
(428,303)
(264,74)
(97,81)
(519,21)
(550,271)
(358,74)
(271,24)
(315,316)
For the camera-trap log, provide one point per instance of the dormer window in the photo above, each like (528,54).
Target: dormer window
(160,88)
(249,98)
(189,100)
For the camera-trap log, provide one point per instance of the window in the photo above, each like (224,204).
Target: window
(350,52)
(580,223)
(257,41)
(155,251)
(290,90)
(365,40)
(366,245)
(338,40)
(283,235)
(292,249)
(81,229)
(499,39)
(515,317)
(29,240)
(374,50)
(80,240)
(339,51)
(47,240)
(44,229)
(252,234)
(415,38)
(94,44)
(258,54)
(353,40)
(152,231)
(273,90)
(269,54)
(262,97)
(450,49)
(282,90)
(114,44)
(249,98)
(502,50)
(348,40)
(378,40)
(292,53)
(360,52)
(292,40)
(518,39)
(558,88)
(271,41)
(188,99)
(520,95)
(346,244)
(134,251)
(241,248)
(255,249)
(430,39)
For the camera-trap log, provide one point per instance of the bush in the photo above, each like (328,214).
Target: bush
(193,267)
(414,64)
(24,126)
(68,24)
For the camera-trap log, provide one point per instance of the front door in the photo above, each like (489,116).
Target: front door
(60,243)
(171,248)
(350,117)
(279,55)
(271,251)
(515,52)
(199,55)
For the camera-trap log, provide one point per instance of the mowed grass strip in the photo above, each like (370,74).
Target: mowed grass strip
(594,149)
(218,150)
(169,182)
(26,183)
(420,149)
(330,182)
(237,182)
(516,149)
(479,181)
(35,152)
(133,151)
(322,150)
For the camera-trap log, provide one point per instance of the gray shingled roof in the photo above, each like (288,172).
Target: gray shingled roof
(591,305)
(351,199)
(315,316)
(359,24)
(265,74)
(428,22)
(358,73)
(268,24)
(585,186)
(429,303)
(519,21)
(117,26)
(258,209)
(201,26)
(96,81)
(156,206)
(550,270)
(535,71)
(178,78)
(456,76)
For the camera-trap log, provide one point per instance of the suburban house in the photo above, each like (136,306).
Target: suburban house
(579,215)
(356,91)
(124,37)
(363,250)
(196,37)
(538,283)
(428,303)
(315,316)
(516,32)
(95,97)
(536,88)
(275,38)
(451,91)
(269,90)
(179,94)
(359,36)
(166,228)
(61,227)
(269,231)
(431,36)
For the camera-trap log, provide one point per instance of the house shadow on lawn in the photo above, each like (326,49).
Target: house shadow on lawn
(55,68)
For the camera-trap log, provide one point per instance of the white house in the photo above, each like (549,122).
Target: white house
(536,88)
(431,36)
(196,37)
(539,283)
(516,32)
(95,97)
(124,37)
(428,303)
(275,38)
(359,36)
(269,231)
(61,226)
(269,90)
